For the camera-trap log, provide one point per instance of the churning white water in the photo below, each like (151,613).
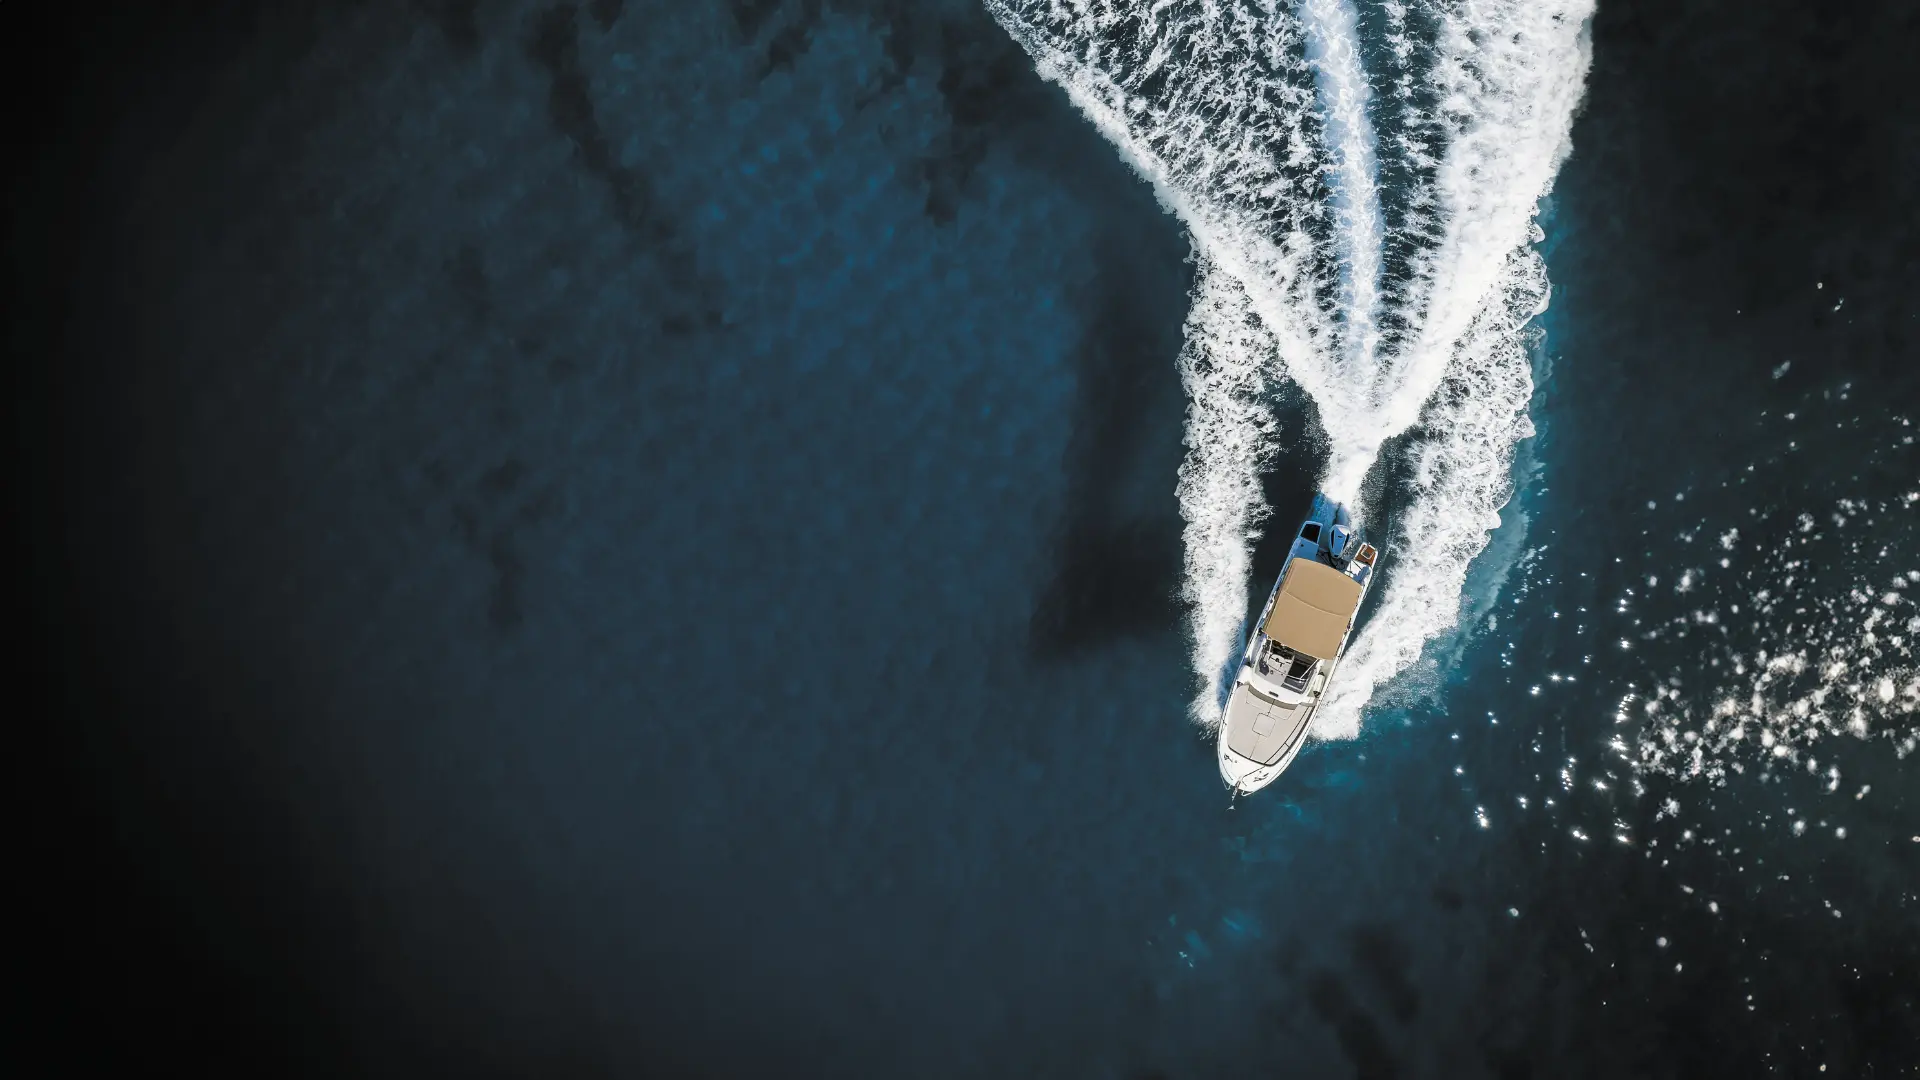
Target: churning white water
(1361,212)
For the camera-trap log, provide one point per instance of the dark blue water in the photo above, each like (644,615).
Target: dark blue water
(621,539)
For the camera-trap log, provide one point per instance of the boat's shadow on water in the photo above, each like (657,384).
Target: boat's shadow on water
(1116,552)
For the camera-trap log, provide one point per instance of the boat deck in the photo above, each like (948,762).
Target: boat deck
(1261,729)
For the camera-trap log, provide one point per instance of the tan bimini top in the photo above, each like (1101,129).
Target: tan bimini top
(1315,606)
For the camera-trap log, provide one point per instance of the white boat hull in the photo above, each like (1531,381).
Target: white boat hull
(1280,682)
(1260,735)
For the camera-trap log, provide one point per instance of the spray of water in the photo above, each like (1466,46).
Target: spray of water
(1394,310)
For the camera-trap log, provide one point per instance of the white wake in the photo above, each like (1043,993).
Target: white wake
(1396,307)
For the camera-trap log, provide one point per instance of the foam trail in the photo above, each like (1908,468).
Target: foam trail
(1229,439)
(1333,49)
(1462,476)
(1255,125)
(1508,76)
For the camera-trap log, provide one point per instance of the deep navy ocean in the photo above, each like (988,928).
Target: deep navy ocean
(640,539)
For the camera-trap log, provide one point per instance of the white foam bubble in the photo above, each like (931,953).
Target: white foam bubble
(1229,428)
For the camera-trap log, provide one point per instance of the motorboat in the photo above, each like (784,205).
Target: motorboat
(1295,647)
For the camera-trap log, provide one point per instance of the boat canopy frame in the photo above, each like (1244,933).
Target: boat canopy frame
(1313,609)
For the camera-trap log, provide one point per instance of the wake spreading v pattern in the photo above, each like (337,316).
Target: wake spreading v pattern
(1360,193)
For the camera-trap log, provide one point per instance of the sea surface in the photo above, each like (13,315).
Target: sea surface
(649,539)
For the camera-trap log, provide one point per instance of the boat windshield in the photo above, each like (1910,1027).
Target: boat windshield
(1295,667)
(1296,677)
